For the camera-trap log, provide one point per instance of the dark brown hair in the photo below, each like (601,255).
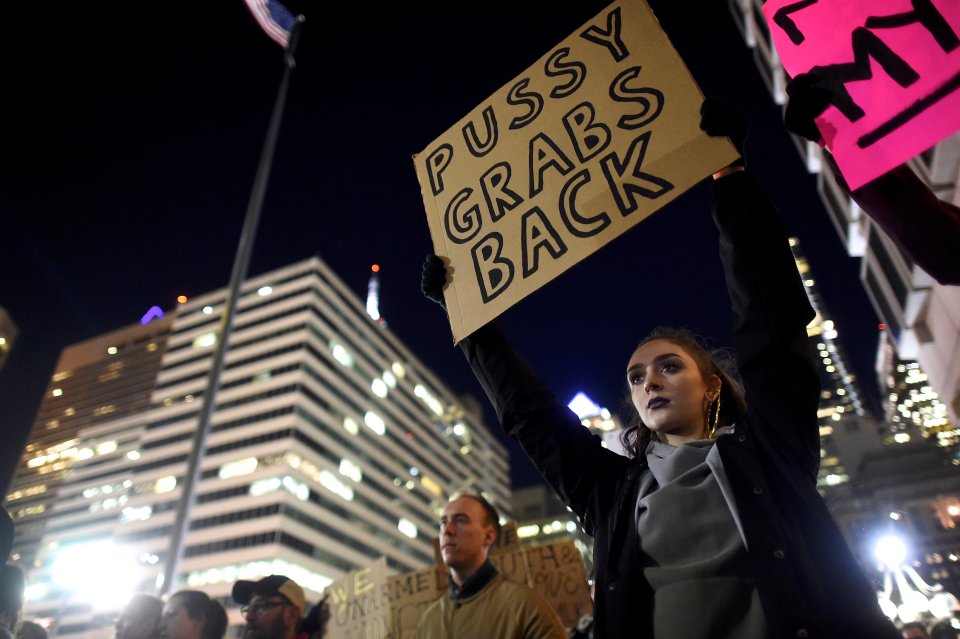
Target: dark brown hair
(710,361)
(492,516)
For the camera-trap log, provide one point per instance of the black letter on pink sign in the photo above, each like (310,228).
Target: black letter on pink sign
(865,46)
(476,147)
(636,182)
(437,162)
(782,19)
(609,38)
(556,67)
(494,272)
(534,101)
(927,15)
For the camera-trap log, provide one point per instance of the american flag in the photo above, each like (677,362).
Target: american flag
(273,18)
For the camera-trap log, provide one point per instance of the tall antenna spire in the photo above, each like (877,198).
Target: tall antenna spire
(373,294)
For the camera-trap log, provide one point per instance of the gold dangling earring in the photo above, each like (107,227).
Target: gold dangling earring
(716,420)
(712,424)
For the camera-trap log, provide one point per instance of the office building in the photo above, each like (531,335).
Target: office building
(331,445)
(846,429)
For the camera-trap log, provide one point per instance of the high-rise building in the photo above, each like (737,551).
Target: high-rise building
(8,334)
(96,381)
(331,445)
(911,406)
(922,317)
(846,430)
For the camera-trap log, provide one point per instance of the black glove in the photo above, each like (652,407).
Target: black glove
(433,279)
(718,119)
(807,101)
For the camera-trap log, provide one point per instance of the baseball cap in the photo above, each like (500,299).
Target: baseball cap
(243,591)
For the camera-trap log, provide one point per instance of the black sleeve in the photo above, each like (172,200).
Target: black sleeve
(569,458)
(770,315)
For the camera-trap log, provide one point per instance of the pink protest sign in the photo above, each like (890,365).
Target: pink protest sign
(894,67)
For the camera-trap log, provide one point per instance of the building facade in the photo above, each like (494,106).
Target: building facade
(846,428)
(331,445)
(922,317)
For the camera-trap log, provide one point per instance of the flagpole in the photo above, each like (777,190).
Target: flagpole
(241,264)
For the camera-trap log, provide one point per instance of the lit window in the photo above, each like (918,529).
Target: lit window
(831,369)
(528,531)
(341,354)
(263,291)
(350,425)
(57,392)
(165,484)
(459,429)
(351,470)
(408,528)
(379,388)
(390,379)
(152,346)
(296,488)
(208,310)
(238,468)
(206,340)
(901,438)
(398,370)
(133,455)
(375,422)
(264,486)
(106,447)
(85,453)
(431,485)
(432,402)
(329,481)
(112,350)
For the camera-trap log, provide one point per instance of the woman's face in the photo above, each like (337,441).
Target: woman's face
(176,623)
(669,392)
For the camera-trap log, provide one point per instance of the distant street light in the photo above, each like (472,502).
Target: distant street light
(917,598)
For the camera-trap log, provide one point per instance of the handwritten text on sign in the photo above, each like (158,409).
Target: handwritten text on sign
(894,67)
(590,140)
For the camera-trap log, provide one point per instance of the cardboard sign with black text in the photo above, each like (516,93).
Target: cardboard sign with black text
(594,137)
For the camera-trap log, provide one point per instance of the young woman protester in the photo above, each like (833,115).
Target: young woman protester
(713,527)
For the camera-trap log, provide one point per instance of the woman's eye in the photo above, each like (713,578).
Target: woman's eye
(670,367)
(635,380)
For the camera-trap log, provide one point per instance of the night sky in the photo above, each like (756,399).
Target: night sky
(132,133)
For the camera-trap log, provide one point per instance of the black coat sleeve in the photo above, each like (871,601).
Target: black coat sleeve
(569,458)
(770,315)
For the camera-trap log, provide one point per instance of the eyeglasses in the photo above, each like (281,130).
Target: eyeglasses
(261,607)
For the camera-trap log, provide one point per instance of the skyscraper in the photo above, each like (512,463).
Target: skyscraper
(846,430)
(331,445)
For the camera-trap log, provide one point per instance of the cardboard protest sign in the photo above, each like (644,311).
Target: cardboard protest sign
(410,594)
(594,137)
(894,66)
(359,604)
(556,572)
